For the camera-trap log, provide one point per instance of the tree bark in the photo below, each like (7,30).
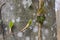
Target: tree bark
(58,24)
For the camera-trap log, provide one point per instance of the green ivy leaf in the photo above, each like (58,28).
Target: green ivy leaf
(29,22)
(40,19)
(41,9)
(11,24)
(28,25)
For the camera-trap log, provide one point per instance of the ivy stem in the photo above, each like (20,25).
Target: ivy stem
(9,30)
(39,24)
